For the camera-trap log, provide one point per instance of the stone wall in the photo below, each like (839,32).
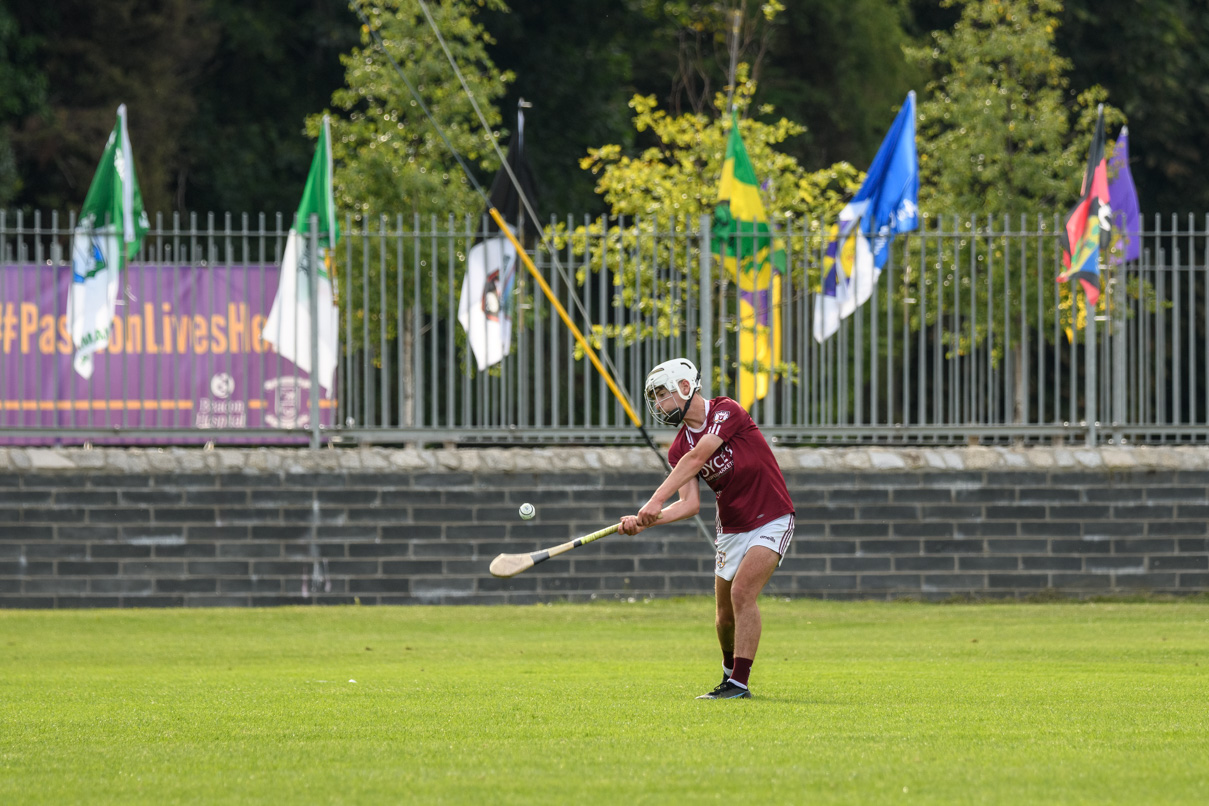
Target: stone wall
(173,527)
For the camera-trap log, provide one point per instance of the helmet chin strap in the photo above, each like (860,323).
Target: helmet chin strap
(677,417)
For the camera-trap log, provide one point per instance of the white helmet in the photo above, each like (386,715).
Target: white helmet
(668,375)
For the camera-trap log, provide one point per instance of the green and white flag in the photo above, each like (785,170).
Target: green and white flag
(109,233)
(288,327)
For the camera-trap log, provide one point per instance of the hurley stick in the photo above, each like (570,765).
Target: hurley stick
(509,565)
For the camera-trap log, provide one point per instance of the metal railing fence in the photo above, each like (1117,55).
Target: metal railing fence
(964,339)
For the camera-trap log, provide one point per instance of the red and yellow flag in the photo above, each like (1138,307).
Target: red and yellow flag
(1090,222)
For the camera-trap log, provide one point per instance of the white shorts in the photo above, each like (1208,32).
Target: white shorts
(732,548)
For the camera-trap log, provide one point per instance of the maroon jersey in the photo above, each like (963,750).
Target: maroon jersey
(743,473)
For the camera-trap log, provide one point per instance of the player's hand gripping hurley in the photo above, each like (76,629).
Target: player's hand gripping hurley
(509,565)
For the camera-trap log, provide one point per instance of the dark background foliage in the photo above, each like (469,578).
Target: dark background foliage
(218,90)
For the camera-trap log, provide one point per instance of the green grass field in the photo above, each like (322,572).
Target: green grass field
(855,703)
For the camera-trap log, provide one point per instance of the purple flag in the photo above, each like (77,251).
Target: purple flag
(1123,198)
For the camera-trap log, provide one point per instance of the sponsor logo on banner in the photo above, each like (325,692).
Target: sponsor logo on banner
(220,411)
(222,385)
(286,394)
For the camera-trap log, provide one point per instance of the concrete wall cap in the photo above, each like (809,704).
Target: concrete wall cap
(571,458)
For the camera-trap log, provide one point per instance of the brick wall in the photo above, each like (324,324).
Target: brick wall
(150,528)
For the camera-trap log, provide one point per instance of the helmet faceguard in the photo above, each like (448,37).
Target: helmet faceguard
(667,376)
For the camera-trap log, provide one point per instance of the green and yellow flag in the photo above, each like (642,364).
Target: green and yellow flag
(755,262)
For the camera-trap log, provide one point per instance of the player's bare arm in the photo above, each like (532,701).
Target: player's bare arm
(683,479)
(688,506)
(684,473)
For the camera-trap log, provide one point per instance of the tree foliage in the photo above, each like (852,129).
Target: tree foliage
(995,132)
(700,36)
(274,63)
(219,90)
(392,163)
(668,179)
(671,184)
(391,158)
(1154,59)
(148,54)
(577,68)
(999,136)
(839,69)
(836,68)
(22,92)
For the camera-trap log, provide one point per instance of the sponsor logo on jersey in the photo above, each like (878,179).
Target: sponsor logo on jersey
(718,465)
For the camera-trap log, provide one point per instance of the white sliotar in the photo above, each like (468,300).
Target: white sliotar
(527,511)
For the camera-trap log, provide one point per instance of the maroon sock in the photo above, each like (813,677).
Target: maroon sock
(742,671)
(728,659)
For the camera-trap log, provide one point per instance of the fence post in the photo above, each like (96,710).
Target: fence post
(706,288)
(1117,316)
(1090,387)
(312,265)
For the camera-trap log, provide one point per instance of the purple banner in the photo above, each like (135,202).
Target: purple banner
(185,352)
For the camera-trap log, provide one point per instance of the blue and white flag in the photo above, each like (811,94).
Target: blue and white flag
(886,205)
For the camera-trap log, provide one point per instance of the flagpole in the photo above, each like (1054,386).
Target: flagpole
(1089,376)
(736,25)
(312,246)
(1090,387)
(736,22)
(521,105)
